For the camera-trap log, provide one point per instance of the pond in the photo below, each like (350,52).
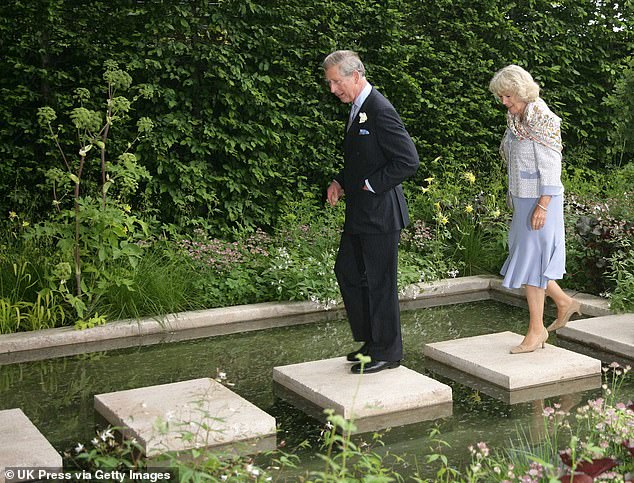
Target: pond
(57,394)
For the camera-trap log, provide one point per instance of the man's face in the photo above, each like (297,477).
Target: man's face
(345,88)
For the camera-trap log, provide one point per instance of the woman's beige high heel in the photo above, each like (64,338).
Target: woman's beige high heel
(558,324)
(521,349)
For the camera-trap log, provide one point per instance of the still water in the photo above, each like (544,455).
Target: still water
(57,394)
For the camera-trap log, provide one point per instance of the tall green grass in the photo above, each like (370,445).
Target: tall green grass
(162,283)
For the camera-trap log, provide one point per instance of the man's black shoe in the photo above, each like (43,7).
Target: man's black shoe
(374,366)
(352,356)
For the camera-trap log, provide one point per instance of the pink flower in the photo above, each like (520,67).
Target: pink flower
(483,448)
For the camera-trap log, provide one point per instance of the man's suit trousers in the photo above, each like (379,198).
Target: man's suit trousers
(366,269)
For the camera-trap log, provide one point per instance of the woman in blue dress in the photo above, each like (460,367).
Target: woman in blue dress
(531,148)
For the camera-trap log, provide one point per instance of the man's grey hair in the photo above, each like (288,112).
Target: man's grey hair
(347,60)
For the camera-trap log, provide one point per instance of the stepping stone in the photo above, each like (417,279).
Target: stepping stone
(189,414)
(519,395)
(488,357)
(23,446)
(613,334)
(393,397)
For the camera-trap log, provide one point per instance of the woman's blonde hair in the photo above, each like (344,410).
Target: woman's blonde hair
(513,80)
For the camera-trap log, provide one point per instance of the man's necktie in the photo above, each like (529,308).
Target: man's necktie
(353,114)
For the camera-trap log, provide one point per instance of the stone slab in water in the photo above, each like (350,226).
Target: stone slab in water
(22,445)
(518,396)
(613,333)
(388,398)
(204,411)
(488,357)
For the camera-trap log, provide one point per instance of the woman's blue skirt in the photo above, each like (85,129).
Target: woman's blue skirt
(535,256)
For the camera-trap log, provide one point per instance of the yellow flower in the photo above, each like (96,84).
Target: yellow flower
(468,209)
(470,177)
(430,179)
(437,205)
(127,208)
(443,219)
(496,213)
(424,190)
(12,215)
(25,224)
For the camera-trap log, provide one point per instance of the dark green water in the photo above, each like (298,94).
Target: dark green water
(57,394)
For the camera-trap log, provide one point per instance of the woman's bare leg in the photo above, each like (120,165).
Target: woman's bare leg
(561,299)
(535,297)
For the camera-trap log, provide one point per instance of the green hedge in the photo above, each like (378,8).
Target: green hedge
(244,124)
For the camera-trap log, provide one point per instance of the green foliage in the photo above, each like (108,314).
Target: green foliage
(458,225)
(243,123)
(303,257)
(235,131)
(87,232)
(46,312)
(599,232)
(159,284)
(106,453)
(24,307)
(295,263)
(622,264)
(225,272)
(344,460)
(622,101)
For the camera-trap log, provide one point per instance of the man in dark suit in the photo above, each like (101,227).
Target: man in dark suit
(378,155)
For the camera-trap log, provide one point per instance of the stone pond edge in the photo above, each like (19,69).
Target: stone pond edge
(226,320)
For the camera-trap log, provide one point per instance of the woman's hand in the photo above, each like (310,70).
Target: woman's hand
(539,213)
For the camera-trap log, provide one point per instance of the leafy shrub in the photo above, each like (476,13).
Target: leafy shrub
(242,121)
(458,223)
(621,101)
(91,225)
(594,237)
(622,275)
(227,272)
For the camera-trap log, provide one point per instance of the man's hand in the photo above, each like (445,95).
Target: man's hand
(335,191)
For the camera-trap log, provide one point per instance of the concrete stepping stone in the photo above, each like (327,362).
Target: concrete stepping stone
(393,397)
(23,446)
(517,396)
(488,357)
(190,414)
(612,334)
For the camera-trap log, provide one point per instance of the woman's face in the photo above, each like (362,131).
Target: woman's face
(513,103)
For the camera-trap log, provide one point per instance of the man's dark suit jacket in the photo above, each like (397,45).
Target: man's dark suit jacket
(380,150)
